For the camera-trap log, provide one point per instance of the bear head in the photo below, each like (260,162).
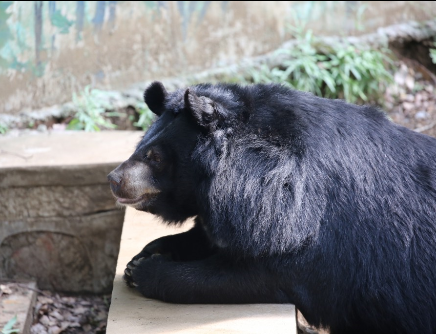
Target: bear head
(160,177)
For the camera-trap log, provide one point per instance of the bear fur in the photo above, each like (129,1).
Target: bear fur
(297,199)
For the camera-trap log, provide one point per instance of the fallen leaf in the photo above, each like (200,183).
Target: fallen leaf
(45,300)
(5,289)
(75,324)
(410,82)
(54,330)
(408,106)
(79,310)
(38,329)
(57,315)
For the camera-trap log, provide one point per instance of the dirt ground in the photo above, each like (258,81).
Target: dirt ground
(410,100)
(55,313)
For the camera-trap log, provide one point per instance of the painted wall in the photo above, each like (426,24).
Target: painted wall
(49,49)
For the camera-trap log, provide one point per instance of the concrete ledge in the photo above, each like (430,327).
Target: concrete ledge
(132,313)
(59,223)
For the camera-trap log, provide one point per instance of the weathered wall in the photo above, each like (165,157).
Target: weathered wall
(49,49)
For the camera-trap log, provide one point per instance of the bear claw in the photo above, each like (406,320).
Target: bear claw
(128,272)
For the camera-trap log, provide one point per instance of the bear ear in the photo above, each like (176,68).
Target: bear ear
(204,110)
(154,96)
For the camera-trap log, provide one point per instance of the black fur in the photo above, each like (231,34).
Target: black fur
(297,199)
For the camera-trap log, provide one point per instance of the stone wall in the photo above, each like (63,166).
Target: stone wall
(50,49)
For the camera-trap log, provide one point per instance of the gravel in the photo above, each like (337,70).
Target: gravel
(57,313)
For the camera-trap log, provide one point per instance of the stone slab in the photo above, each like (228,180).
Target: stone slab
(63,158)
(67,148)
(18,302)
(132,313)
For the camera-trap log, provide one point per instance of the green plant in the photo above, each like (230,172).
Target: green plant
(433,55)
(359,74)
(340,72)
(91,105)
(3,128)
(358,23)
(8,328)
(145,116)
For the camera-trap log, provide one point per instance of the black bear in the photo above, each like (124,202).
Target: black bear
(297,199)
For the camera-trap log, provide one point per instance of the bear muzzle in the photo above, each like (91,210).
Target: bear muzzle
(130,185)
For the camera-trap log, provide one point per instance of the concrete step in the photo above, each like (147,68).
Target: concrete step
(131,313)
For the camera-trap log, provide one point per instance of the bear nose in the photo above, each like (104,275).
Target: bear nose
(115,182)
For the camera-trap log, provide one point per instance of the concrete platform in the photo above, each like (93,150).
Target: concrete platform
(55,196)
(131,313)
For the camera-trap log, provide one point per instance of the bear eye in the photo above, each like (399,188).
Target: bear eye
(149,154)
(153,156)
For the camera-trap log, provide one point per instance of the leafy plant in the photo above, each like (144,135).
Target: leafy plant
(359,74)
(433,55)
(359,21)
(340,72)
(91,105)
(9,327)
(145,116)
(3,128)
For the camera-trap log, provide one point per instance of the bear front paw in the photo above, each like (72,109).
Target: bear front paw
(141,271)
(128,278)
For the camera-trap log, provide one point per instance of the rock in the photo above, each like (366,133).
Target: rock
(410,82)
(57,315)
(79,310)
(59,127)
(418,99)
(408,106)
(45,300)
(38,329)
(74,324)
(5,289)
(102,315)
(43,309)
(409,98)
(421,115)
(45,320)
(54,330)
(64,325)
(68,300)
(42,128)
(72,318)
(87,328)
(400,78)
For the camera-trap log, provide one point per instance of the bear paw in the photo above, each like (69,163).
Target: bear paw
(132,266)
(128,278)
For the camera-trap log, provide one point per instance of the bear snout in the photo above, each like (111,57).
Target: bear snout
(115,183)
